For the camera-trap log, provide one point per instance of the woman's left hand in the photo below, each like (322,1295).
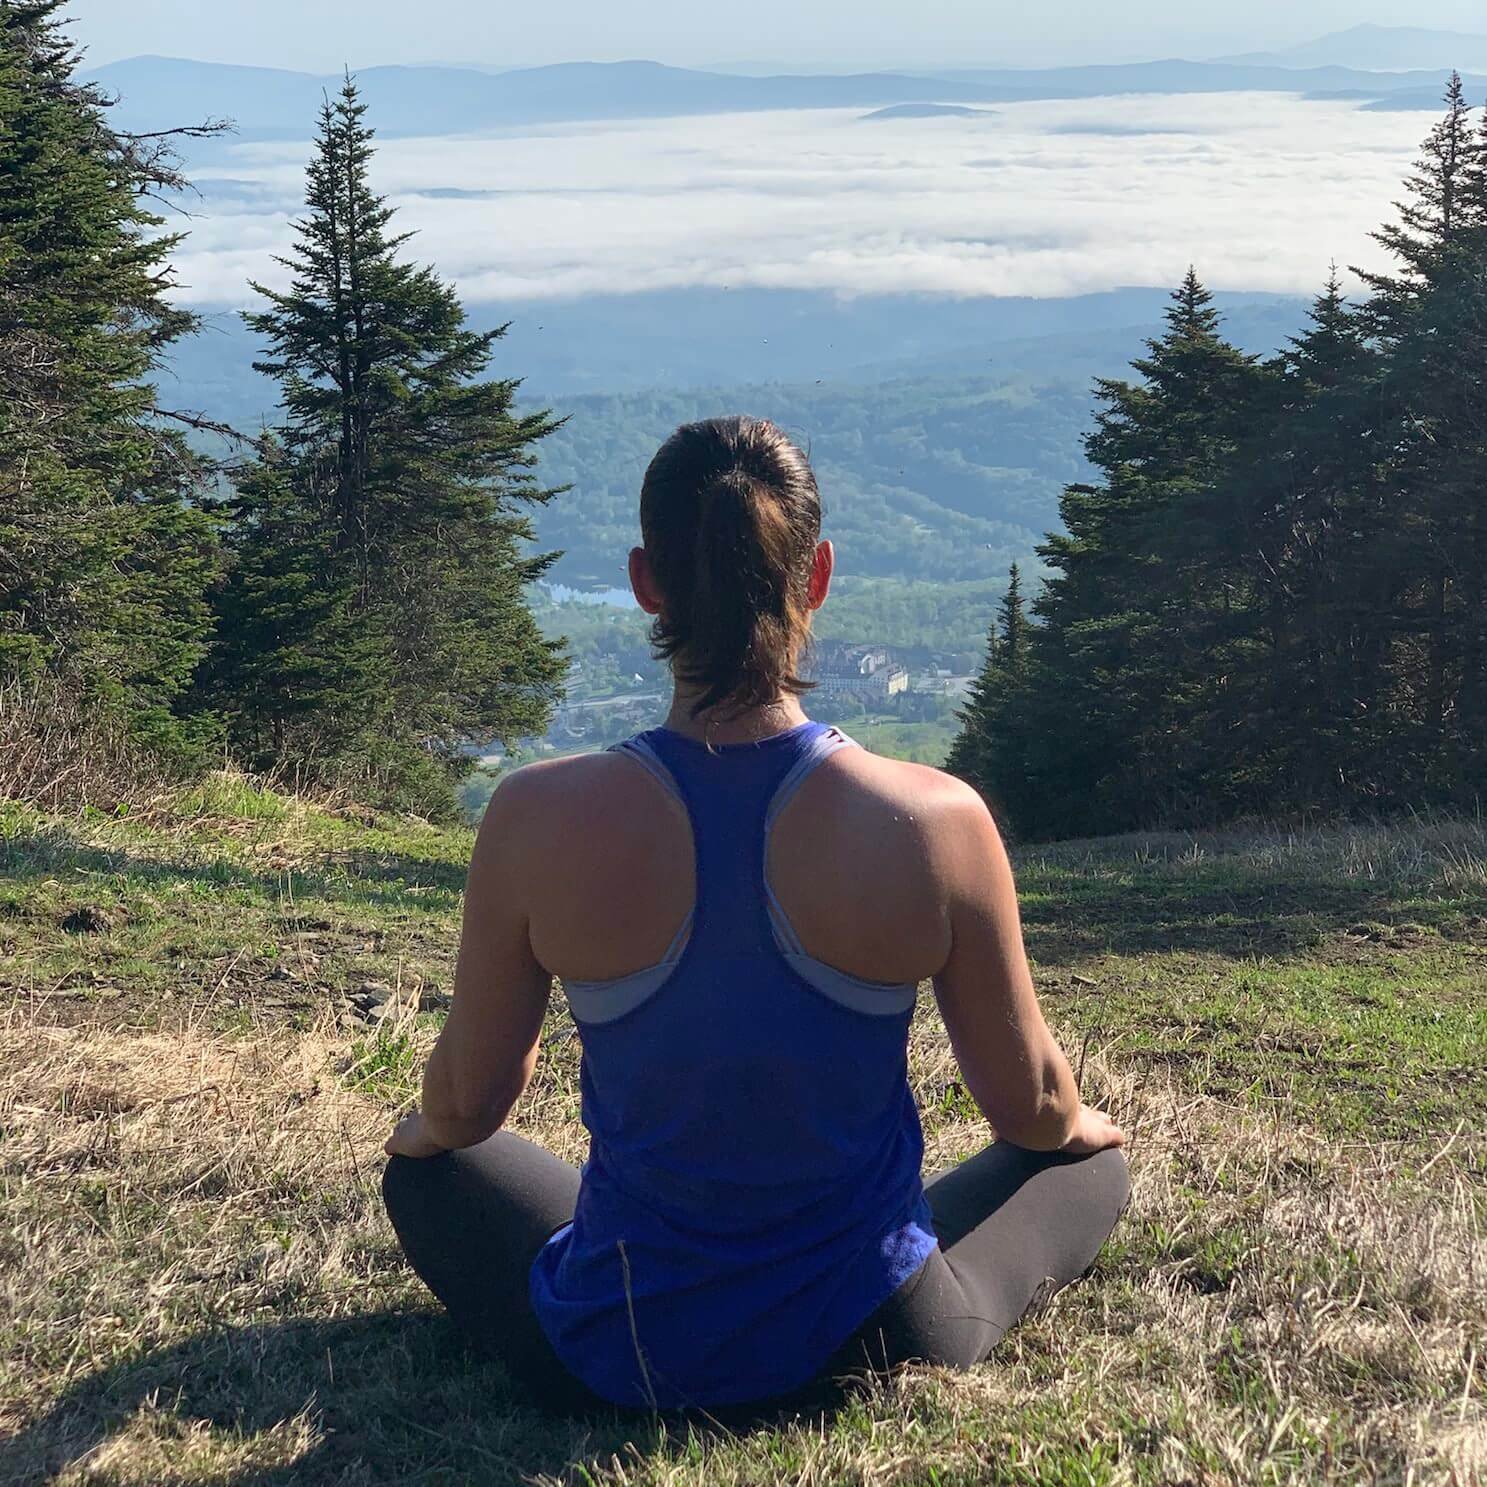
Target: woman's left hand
(410,1138)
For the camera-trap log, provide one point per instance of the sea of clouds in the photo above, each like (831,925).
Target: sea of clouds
(1260,191)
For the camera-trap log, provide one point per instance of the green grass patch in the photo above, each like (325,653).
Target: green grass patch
(387,1065)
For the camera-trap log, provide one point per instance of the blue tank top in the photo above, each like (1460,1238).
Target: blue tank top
(752,1191)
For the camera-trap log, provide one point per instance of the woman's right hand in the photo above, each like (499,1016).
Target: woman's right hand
(1093,1131)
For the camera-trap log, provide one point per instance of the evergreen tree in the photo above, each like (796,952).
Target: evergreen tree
(1316,556)
(103,558)
(1134,611)
(1437,213)
(1429,318)
(398,498)
(969,757)
(1014,628)
(1276,598)
(293,658)
(989,750)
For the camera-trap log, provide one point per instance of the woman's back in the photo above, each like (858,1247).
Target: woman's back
(859,859)
(755,1153)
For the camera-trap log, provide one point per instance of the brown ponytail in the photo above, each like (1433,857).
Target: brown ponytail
(731,517)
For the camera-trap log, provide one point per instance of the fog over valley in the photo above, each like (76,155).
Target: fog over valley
(1045,198)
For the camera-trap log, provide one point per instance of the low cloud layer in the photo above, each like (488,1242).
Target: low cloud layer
(1042,199)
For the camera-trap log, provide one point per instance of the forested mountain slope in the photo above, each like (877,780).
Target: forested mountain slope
(943,430)
(932,479)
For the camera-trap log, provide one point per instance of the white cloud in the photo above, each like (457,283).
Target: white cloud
(1260,191)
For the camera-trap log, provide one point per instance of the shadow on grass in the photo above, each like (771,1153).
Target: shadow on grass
(1221,914)
(361,877)
(1066,916)
(390,1397)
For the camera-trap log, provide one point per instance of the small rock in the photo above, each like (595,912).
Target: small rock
(281,973)
(374,991)
(87,920)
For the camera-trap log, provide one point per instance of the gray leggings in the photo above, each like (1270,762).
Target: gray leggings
(1013,1225)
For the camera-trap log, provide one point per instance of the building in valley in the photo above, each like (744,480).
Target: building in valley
(869,672)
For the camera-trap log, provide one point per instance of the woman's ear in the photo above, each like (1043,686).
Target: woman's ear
(643,581)
(823,565)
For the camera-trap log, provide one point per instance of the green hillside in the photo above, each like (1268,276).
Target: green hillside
(943,431)
(934,479)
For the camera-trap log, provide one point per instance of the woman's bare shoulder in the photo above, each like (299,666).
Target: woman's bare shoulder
(883,812)
(907,790)
(585,791)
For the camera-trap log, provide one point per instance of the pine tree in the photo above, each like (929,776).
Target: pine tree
(969,757)
(401,487)
(989,750)
(103,558)
(1434,216)
(1132,609)
(1429,318)
(1014,628)
(293,659)
(1305,682)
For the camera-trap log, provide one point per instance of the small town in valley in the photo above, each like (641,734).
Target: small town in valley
(850,683)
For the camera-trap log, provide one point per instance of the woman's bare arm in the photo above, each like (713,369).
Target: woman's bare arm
(1011,1062)
(488,1048)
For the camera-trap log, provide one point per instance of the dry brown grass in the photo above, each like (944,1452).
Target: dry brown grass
(198,1285)
(60,753)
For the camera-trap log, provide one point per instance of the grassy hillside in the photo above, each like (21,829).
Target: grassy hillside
(197,1284)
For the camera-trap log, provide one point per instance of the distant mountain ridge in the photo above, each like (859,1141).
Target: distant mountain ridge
(928,111)
(265,103)
(1379,48)
(680,339)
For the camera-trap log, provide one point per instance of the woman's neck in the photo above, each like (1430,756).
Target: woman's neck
(722,726)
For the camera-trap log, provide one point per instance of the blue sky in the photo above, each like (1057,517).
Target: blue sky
(324,34)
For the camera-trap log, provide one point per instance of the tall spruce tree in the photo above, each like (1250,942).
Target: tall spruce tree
(104,559)
(1471,495)
(395,489)
(1134,617)
(1314,557)
(1429,318)
(989,750)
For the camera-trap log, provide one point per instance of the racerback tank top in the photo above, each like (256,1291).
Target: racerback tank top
(753,1190)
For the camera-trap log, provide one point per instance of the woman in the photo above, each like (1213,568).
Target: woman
(740,905)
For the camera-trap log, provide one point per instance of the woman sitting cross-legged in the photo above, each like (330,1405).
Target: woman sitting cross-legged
(740,906)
